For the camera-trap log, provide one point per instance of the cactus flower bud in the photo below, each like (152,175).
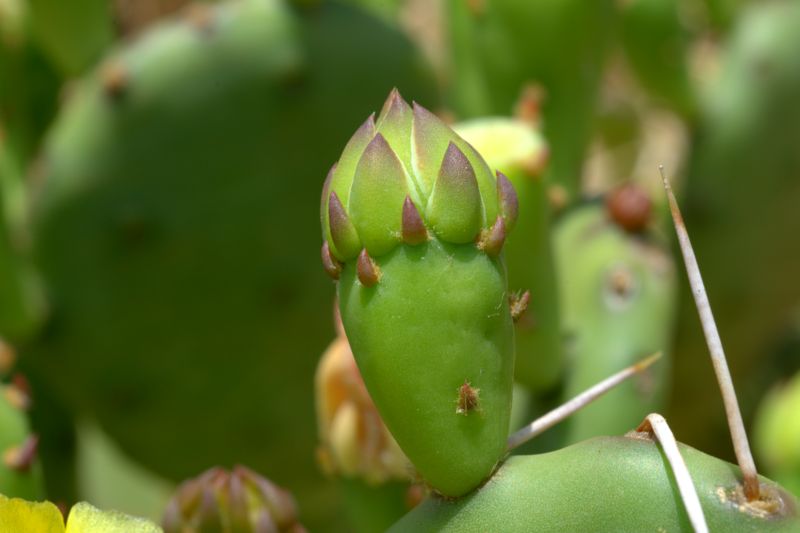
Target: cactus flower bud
(238,501)
(414,221)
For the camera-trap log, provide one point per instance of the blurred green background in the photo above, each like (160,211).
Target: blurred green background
(160,169)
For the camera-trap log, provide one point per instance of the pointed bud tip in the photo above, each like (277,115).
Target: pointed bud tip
(509,202)
(344,235)
(368,272)
(393,101)
(414,231)
(491,240)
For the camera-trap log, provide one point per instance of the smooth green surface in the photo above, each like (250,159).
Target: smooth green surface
(438,317)
(373,508)
(20,300)
(111,480)
(608,329)
(656,44)
(603,485)
(74,34)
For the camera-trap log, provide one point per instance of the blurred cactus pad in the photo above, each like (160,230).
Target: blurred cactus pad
(174,225)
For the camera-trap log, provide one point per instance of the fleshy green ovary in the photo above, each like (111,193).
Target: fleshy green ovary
(434,342)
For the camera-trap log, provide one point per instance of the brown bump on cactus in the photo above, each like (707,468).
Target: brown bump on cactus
(529,105)
(477,7)
(414,231)
(558,197)
(200,17)
(368,272)
(18,397)
(630,207)
(20,458)
(332,267)
(620,288)
(519,304)
(468,399)
(509,203)
(114,78)
(415,494)
(7,357)
(491,240)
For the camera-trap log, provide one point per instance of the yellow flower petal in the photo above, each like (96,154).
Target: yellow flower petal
(34,517)
(84,518)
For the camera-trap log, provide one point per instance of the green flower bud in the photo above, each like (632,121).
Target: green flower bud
(239,501)
(424,300)
(406,170)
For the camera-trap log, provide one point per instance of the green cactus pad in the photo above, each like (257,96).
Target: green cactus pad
(604,485)
(617,299)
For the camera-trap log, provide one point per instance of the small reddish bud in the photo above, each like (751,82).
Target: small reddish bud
(20,458)
(491,240)
(630,207)
(509,203)
(519,304)
(368,272)
(414,231)
(7,357)
(114,79)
